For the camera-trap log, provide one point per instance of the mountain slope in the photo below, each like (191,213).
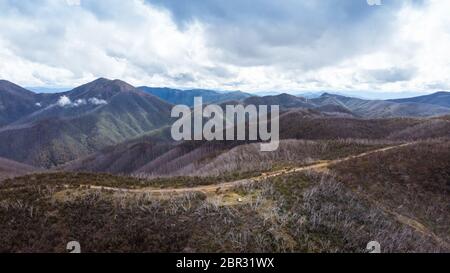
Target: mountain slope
(93,116)
(125,157)
(438,98)
(412,182)
(186,97)
(15,102)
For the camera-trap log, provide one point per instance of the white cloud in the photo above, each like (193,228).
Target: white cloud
(79,102)
(96,101)
(116,39)
(271,49)
(64,101)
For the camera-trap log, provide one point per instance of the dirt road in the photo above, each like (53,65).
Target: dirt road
(228,185)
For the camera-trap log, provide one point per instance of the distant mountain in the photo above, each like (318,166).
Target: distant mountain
(309,95)
(186,97)
(380,108)
(439,98)
(288,102)
(82,121)
(285,101)
(265,93)
(338,105)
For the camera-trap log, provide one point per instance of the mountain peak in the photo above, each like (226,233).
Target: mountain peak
(286,95)
(338,96)
(101,88)
(326,94)
(101,79)
(116,82)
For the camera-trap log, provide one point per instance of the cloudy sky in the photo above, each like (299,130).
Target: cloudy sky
(250,45)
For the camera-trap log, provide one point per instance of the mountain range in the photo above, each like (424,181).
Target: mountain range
(356,107)
(381,108)
(47,130)
(439,98)
(347,171)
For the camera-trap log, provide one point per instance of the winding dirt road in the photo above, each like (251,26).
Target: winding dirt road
(228,185)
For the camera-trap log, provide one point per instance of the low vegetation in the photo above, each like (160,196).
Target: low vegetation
(299,212)
(414,181)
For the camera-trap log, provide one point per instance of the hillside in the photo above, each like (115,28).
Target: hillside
(413,181)
(15,102)
(335,110)
(156,156)
(125,157)
(438,98)
(431,128)
(91,117)
(289,210)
